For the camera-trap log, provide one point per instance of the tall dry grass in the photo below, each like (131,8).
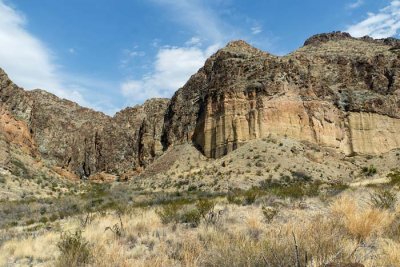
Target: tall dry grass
(344,231)
(360,222)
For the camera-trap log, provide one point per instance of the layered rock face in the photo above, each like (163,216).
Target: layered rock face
(336,91)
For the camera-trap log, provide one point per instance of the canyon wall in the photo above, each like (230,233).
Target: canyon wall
(335,91)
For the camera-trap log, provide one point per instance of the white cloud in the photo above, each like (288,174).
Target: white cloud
(355,4)
(194,41)
(198,17)
(256,30)
(30,64)
(173,67)
(26,59)
(383,24)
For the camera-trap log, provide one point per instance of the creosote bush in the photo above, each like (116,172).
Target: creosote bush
(394,177)
(369,171)
(269,213)
(74,249)
(383,199)
(169,213)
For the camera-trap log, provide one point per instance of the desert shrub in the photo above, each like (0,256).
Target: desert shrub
(269,213)
(43,219)
(288,188)
(191,217)
(369,171)
(393,230)
(234,197)
(2,180)
(42,210)
(290,191)
(250,196)
(19,169)
(30,221)
(394,177)
(301,176)
(204,206)
(383,199)
(74,250)
(169,213)
(337,187)
(192,188)
(53,217)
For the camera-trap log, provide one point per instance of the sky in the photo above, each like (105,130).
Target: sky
(108,55)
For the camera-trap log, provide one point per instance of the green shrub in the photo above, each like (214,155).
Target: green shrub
(301,176)
(204,206)
(74,250)
(191,217)
(43,219)
(234,197)
(30,221)
(53,217)
(169,213)
(250,196)
(394,177)
(369,171)
(384,199)
(338,187)
(269,213)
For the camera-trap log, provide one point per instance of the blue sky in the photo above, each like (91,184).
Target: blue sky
(108,54)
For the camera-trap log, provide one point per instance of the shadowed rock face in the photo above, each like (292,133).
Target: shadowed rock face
(81,140)
(335,91)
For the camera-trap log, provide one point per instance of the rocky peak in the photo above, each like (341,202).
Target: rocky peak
(325,37)
(4,80)
(240,47)
(338,35)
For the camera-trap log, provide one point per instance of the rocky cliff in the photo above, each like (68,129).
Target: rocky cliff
(335,91)
(78,139)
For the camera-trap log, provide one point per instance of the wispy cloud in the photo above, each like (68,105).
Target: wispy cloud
(26,59)
(355,4)
(31,64)
(172,68)
(173,65)
(256,30)
(382,24)
(197,16)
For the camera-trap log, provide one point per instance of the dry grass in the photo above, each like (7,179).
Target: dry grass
(343,231)
(360,222)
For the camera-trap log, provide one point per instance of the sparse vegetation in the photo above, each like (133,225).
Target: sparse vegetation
(384,199)
(74,250)
(369,171)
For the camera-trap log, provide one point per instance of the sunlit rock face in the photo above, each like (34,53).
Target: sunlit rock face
(335,91)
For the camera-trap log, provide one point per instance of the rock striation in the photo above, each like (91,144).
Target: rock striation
(335,91)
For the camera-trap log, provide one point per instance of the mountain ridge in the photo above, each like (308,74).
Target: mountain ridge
(335,91)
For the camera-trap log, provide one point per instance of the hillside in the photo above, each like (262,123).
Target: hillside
(258,160)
